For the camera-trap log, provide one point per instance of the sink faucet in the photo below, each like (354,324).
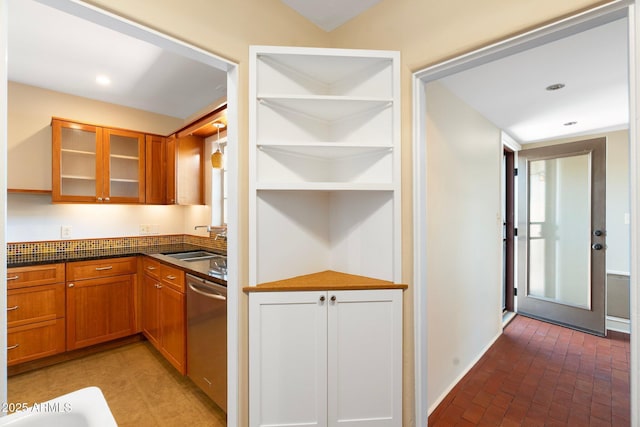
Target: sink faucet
(208,227)
(222,234)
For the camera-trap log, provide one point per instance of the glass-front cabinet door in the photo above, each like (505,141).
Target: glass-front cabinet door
(124,166)
(92,164)
(76,154)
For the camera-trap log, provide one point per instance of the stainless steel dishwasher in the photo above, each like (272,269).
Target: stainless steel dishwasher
(207,337)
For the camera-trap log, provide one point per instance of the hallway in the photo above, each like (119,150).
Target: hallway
(538,374)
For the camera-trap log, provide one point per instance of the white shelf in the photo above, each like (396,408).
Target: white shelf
(123,180)
(68,150)
(79,177)
(329,108)
(324,186)
(119,156)
(329,150)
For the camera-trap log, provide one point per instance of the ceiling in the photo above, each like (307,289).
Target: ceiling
(55,50)
(512,94)
(329,14)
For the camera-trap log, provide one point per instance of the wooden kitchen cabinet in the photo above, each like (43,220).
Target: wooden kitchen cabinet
(185,170)
(175,170)
(97,164)
(35,312)
(100,300)
(164,311)
(334,357)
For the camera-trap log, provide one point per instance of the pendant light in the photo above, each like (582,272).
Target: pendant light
(216,158)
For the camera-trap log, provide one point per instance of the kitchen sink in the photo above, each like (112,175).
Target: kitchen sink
(194,255)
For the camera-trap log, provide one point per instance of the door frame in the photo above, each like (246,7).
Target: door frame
(556,30)
(123,25)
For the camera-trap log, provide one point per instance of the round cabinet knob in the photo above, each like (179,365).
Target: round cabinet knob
(106,199)
(71,285)
(597,246)
(598,233)
(99,199)
(322,298)
(333,298)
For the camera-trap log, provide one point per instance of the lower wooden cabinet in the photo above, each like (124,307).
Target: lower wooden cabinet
(100,301)
(35,312)
(325,358)
(164,311)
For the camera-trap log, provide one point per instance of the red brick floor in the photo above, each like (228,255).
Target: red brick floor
(538,374)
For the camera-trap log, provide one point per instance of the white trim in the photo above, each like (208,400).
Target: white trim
(634,206)
(3,194)
(619,273)
(509,142)
(463,373)
(420,250)
(618,324)
(537,37)
(115,22)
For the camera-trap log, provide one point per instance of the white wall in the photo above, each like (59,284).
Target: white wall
(464,241)
(33,217)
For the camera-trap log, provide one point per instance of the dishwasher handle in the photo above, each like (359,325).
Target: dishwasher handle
(206,293)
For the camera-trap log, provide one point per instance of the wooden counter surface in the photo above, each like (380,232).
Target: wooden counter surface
(324,281)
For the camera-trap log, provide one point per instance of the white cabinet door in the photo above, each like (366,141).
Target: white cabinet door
(365,358)
(287,359)
(325,358)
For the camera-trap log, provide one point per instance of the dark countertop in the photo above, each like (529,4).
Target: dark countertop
(196,268)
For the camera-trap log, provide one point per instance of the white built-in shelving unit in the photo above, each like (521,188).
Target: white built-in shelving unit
(324,162)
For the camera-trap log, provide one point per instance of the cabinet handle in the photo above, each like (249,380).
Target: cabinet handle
(71,285)
(106,199)
(158,286)
(104,268)
(99,199)
(11,347)
(15,307)
(333,298)
(16,277)
(171,277)
(150,267)
(322,298)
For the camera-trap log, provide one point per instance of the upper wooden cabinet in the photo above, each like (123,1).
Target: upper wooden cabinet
(95,164)
(175,170)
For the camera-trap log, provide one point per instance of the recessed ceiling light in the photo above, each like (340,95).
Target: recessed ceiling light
(103,80)
(555,86)
(571,123)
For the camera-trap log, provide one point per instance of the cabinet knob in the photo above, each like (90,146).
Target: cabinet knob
(333,298)
(150,267)
(322,298)
(171,277)
(99,199)
(106,199)
(71,285)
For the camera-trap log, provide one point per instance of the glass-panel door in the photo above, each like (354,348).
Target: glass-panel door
(76,156)
(565,236)
(124,166)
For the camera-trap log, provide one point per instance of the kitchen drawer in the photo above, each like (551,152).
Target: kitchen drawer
(173,277)
(151,267)
(35,304)
(80,270)
(36,340)
(18,277)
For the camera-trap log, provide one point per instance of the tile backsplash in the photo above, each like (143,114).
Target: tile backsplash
(29,248)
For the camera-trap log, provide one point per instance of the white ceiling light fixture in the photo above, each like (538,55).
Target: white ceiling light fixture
(571,123)
(103,80)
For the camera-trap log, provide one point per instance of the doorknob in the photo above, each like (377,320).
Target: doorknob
(597,246)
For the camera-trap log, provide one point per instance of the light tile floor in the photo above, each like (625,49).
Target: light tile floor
(141,388)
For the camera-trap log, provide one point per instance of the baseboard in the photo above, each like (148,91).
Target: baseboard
(464,372)
(618,324)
